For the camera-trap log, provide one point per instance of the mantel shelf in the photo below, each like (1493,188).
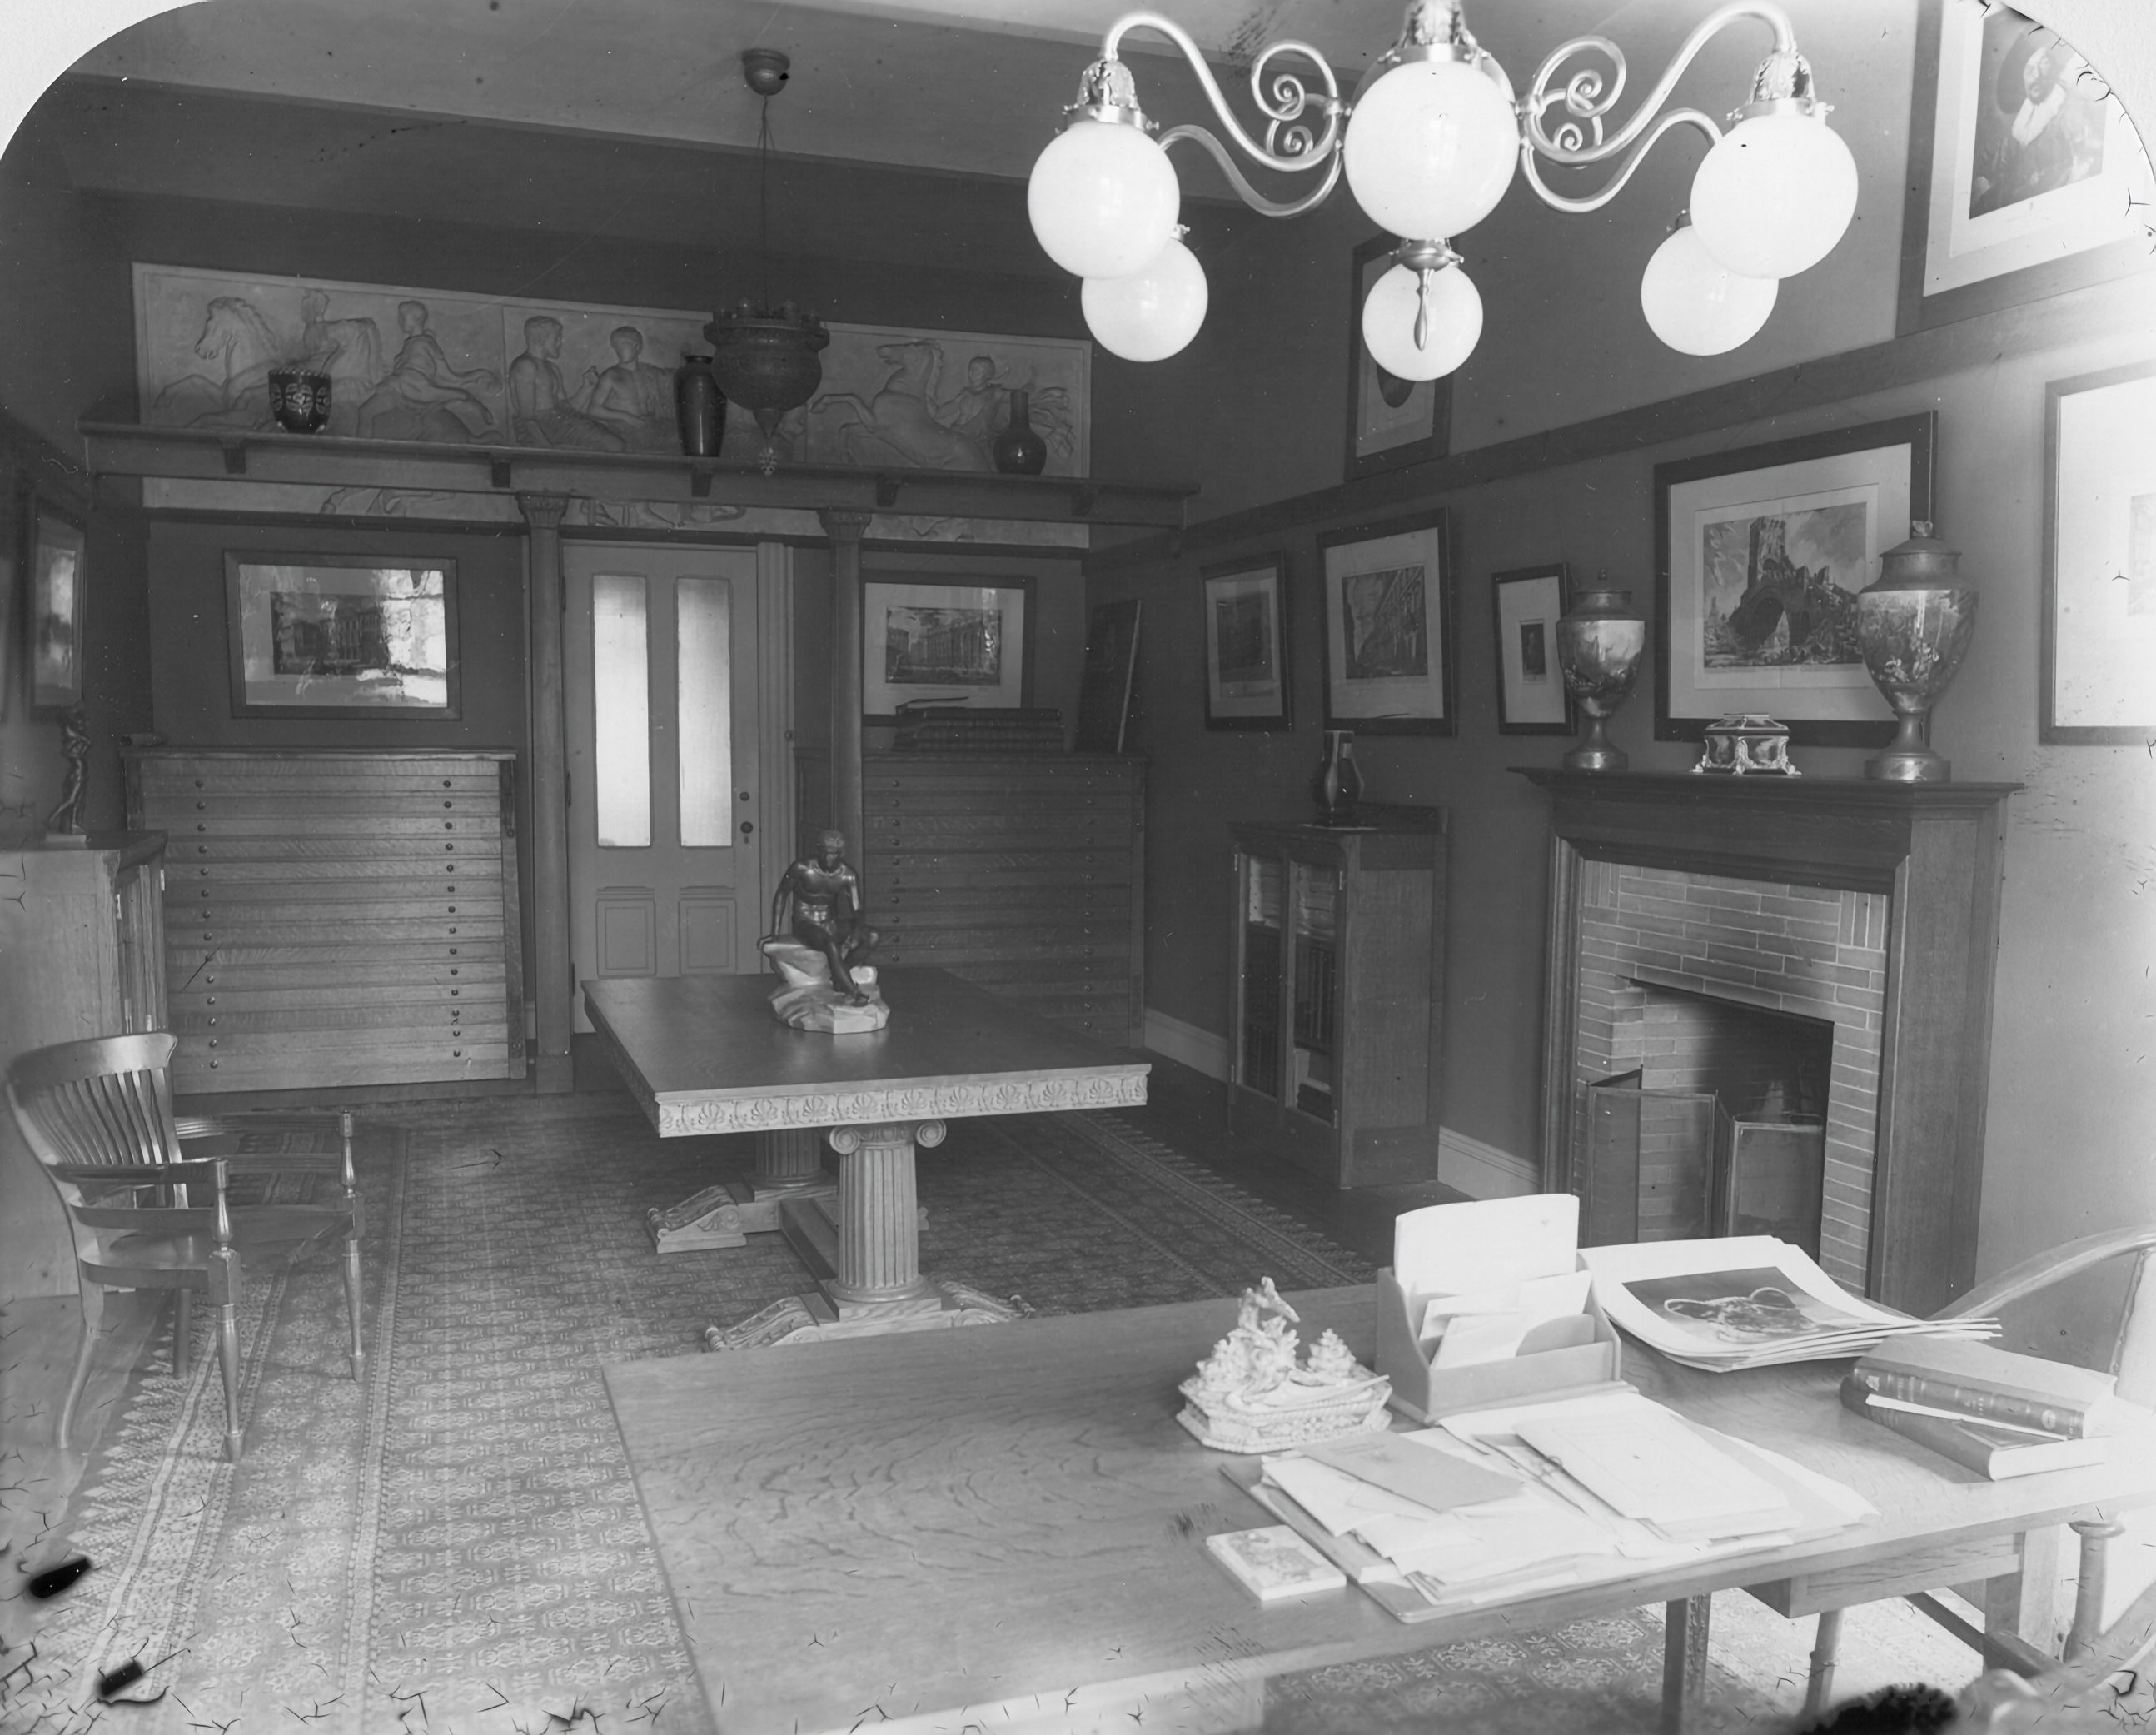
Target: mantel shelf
(114,448)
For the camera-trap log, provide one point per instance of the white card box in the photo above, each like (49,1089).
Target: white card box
(1558,1354)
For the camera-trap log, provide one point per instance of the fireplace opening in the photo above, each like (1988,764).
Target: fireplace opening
(1721,1129)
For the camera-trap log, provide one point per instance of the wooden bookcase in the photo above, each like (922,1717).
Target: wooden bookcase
(1336,973)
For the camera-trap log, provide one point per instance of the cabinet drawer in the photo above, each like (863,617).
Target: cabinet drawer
(325,1069)
(333,937)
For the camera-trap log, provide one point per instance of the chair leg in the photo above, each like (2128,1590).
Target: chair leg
(182,1330)
(351,1304)
(93,1321)
(228,1356)
(2095,1535)
(1819,1683)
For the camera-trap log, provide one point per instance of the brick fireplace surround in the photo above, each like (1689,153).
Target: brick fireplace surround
(1871,906)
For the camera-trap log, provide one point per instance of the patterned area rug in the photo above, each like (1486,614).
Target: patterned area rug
(455,1544)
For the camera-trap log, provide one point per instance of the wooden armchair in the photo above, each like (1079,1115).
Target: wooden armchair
(98,1116)
(2019,1610)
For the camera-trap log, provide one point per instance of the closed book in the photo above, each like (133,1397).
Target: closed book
(1994,1453)
(1273,1561)
(1996,1385)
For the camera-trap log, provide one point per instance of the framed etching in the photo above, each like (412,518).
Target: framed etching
(926,643)
(1246,667)
(1389,652)
(2097,682)
(1107,683)
(342,635)
(60,578)
(1391,422)
(2025,177)
(1525,604)
(1759,557)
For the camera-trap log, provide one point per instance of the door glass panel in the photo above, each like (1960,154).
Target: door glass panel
(621,689)
(703,633)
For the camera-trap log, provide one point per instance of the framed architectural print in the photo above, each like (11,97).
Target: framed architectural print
(1525,604)
(1246,667)
(342,635)
(60,578)
(2097,682)
(1759,557)
(1388,653)
(1391,422)
(929,644)
(2025,177)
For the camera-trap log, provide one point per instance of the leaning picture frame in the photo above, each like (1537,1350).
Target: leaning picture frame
(59,588)
(1246,657)
(2026,180)
(1525,604)
(342,635)
(926,642)
(1758,557)
(1389,642)
(1391,422)
(2096,681)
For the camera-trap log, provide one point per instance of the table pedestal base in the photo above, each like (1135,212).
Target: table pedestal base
(789,1165)
(814,1318)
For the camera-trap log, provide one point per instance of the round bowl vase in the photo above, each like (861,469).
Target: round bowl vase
(1915,624)
(700,408)
(1019,450)
(1599,642)
(1338,785)
(300,399)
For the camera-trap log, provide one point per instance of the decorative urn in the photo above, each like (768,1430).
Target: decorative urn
(1914,624)
(300,399)
(766,361)
(1599,642)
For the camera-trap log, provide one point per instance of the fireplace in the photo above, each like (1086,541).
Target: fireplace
(1768,1010)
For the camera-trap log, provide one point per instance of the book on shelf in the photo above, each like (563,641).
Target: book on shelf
(1998,1385)
(1273,1562)
(1991,1450)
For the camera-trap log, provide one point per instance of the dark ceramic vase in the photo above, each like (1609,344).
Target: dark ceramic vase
(699,407)
(1019,451)
(1338,785)
(300,399)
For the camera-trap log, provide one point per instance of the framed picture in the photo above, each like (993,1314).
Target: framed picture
(342,635)
(1391,422)
(1389,656)
(1759,557)
(2025,177)
(1107,683)
(1525,605)
(7,650)
(929,644)
(1246,667)
(2098,679)
(58,579)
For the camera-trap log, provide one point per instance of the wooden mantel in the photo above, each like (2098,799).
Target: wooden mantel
(1935,851)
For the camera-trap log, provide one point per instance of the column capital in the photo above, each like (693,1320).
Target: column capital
(542,511)
(842,525)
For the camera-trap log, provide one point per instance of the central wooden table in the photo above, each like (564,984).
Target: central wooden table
(704,1056)
(1006,1530)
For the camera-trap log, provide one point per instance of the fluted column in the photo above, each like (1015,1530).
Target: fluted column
(879,1219)
(846,531)
(788,1159)
(551,982)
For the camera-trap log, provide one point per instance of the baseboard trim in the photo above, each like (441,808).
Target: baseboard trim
(1478,1170)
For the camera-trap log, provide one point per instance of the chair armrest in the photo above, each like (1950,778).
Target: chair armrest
(2047,1269)
(211,1169)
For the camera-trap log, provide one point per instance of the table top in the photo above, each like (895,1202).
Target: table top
(992,1520)
(704,1054)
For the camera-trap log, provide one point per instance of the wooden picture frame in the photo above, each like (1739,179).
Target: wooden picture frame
(1247,670)
(1392,423)
(927,642)
(58,602)
(342,635)
(1729,590)
(1389,656)
(1990,222)
(2096,681)
(1525,604)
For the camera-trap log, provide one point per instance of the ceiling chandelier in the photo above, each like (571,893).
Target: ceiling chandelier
(1428,143)
(765,353)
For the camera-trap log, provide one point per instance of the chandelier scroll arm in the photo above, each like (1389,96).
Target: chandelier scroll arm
(1248,194)
(1531,170)
(1287,106)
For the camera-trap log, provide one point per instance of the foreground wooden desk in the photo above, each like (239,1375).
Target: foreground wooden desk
(704,1056)
(1007,1528)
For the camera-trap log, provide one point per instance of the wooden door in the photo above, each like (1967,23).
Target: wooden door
(665,799)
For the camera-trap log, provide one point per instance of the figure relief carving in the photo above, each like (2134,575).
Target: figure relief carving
(905,422)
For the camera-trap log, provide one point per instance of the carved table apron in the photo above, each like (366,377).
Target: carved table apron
(703,1055)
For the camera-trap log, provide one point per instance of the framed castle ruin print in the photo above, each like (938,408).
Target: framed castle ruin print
(1388,650)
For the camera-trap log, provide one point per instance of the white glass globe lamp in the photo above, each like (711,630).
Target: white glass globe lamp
(1696,306)
(1103,197)
(1441,301)
(1430,145)
(1149,314)
(1776,194)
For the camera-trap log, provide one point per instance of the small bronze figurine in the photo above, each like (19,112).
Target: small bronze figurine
(65,819)
(826,895)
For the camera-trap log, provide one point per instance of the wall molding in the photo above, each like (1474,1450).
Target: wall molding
(2120,305)
(1205,1051)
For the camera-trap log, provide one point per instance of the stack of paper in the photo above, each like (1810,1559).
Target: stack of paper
(1492,1270)
(1746,1301)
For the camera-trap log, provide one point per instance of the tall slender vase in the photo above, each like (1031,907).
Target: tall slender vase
(1915,624)
(1018,450)
(699,407)
(1599,642)
(1338,785)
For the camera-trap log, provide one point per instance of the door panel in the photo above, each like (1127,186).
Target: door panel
(664,795)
